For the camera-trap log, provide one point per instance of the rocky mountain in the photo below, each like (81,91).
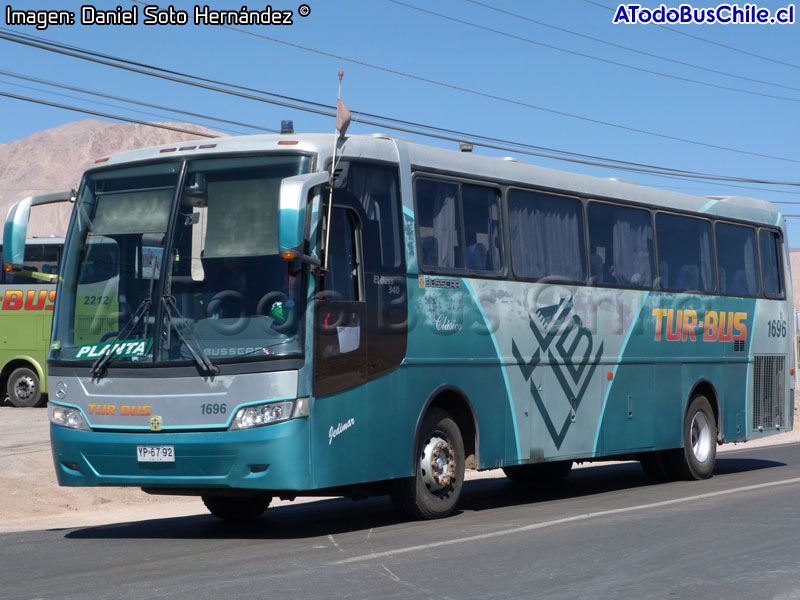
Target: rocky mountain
(54,159)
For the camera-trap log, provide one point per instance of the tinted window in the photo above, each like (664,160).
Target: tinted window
(458,226)
(621,245)
(771,263)
(685,253)
(737,260)
(439,221)
(546,236)
(375,188)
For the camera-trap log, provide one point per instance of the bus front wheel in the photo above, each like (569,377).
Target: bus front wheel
(696,459)
(433,492)
(23,387)
(232,508)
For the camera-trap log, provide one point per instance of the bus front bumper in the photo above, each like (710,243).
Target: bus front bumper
(274,457)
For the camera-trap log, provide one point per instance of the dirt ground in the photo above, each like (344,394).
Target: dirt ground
(30,497)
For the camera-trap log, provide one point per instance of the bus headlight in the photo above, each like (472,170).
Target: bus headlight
(64,416)
(262,414)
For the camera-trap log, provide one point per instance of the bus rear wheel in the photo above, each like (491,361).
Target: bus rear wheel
(232,508)
(696,459)
(548,472)
(433,492)
(23,388)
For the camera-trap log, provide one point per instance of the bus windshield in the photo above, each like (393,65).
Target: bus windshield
(151,282)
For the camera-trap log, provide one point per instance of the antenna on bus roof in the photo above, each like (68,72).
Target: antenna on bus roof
(342,122)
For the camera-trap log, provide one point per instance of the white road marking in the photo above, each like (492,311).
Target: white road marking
(573,519)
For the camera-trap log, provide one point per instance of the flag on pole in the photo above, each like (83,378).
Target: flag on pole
(342,117)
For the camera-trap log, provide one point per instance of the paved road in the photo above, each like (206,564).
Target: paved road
(608,533)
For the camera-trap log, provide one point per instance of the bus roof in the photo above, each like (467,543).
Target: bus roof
(466,164)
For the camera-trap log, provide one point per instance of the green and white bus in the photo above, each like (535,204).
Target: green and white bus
(419,313)
(26,316)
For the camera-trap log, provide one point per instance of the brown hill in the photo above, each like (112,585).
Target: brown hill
(54,159)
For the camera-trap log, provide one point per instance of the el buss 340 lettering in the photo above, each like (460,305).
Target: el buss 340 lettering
(266,375)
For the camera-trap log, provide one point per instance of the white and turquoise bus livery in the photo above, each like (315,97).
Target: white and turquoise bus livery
(265,329)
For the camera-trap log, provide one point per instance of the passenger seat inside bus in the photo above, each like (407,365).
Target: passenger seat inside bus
(688,278)
(429,248)
(477,257)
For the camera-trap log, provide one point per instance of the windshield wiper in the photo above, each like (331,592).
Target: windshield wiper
(195,348)
(99,366)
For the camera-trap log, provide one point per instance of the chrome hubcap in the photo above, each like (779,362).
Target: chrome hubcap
(701,437)
(438,464)
(24,388)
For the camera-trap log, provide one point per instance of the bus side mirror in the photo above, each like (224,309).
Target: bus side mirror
(292,234)
(16,226)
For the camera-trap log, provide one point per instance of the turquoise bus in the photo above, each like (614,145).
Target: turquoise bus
(26,315)
(380,325)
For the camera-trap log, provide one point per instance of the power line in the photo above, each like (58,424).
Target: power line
(136,102)
(605,163)
(708,41)
(629,49)
(281,100)
(510,100)
(73,97)
(590,57)
(105,115)
(170,75)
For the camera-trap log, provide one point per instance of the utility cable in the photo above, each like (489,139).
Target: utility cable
(105,115)
(590,57)
(629,49)
(693,175)
(708,41)
(136,102)
(53,47)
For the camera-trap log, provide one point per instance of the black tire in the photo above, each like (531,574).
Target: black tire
(232,508)
(548,472)
(653,465)
(24,389)
(433,492)
(696,459)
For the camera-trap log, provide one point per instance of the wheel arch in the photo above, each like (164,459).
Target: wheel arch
(453,400)
(705,388)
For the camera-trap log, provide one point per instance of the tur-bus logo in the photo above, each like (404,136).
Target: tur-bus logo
(30,300)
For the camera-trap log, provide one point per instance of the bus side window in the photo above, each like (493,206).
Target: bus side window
(624,236)
(771,267)
(374,189)
(737,256)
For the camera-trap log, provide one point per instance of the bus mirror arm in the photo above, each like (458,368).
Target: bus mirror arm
(16,226)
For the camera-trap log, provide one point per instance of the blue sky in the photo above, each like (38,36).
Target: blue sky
(391,36)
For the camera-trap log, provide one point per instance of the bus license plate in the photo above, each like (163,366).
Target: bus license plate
(155,453)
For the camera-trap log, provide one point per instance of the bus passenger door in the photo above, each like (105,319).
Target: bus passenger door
(340,352)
